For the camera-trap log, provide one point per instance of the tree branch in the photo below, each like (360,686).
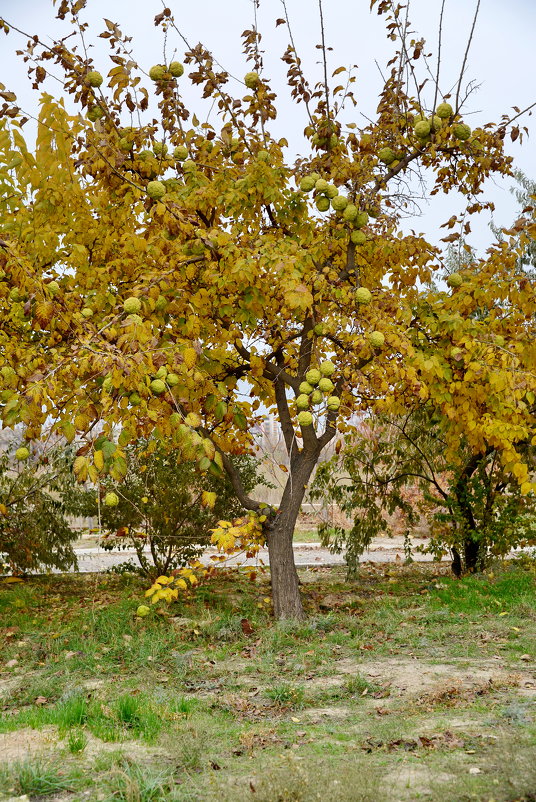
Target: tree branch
(284,416)
(466,55)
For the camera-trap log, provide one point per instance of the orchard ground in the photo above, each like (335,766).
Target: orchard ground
(402,684)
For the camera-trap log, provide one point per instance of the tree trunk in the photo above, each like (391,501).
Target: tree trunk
(284,577)
(472,555)
(456,562)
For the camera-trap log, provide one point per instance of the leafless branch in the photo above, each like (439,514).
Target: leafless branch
(466,56)
(324,56)
(298,60)
(439,43)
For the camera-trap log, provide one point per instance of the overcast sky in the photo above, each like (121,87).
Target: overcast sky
(501,60)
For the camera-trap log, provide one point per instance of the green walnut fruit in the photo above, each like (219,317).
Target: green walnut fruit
(111,499)
(321,185)
(325,385)
(95,113)
(462,131)
(363,296)
(143,610)
(251,80)
(319,329)
(322,203)
(422,129)
(125,144)
(180,153)
(263,156)
(316,397)
(157,73)
(361,220)
(161,373)
(305,388)
(307,183)
(145,155)
(94,78)
(358,237)
(53,287)
(87,312)
(172,379)
(176,69)
(327,368)
(160,149)
(454,280)
(156,190)
(331,191)
(350,213)
(339,203)
(134,320)
(444,110)
(436,122)
(132,306)
(22,453)
(134,399)
(315,176)
(188,166)
(386,155)
(333,403)
(313,376)
(305,419)
(158,386)
(376,339)
(302,401)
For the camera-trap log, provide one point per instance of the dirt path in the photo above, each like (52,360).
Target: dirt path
(383,550)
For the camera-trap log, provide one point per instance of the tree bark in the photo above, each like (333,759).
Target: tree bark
(472,555)
(284,577)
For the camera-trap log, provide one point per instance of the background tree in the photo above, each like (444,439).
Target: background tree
(474,507)
(177,276)
(38,493)
(165,509)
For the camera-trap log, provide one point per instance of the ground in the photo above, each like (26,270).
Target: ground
(402,684)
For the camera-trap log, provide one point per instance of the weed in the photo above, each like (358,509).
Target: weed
(131,783)
(286,695)
(72,712)
(77,741)
(36,778)
(358,685)
(128,710)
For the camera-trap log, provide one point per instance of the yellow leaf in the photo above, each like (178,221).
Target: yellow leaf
(98,459)
(208,499)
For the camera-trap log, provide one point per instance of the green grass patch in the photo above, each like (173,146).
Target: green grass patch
(191,703)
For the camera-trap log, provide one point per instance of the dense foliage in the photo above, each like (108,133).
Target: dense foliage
(36,499)
(165,509)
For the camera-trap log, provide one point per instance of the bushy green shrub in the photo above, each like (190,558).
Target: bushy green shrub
(162,510)
(36,498)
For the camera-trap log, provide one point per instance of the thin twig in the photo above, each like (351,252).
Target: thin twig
(324,56)
(298,64)
(466,55)
(439,42)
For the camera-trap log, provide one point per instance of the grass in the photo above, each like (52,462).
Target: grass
(383,691)
(36,778)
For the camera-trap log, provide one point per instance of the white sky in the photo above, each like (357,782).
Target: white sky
(501,60)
